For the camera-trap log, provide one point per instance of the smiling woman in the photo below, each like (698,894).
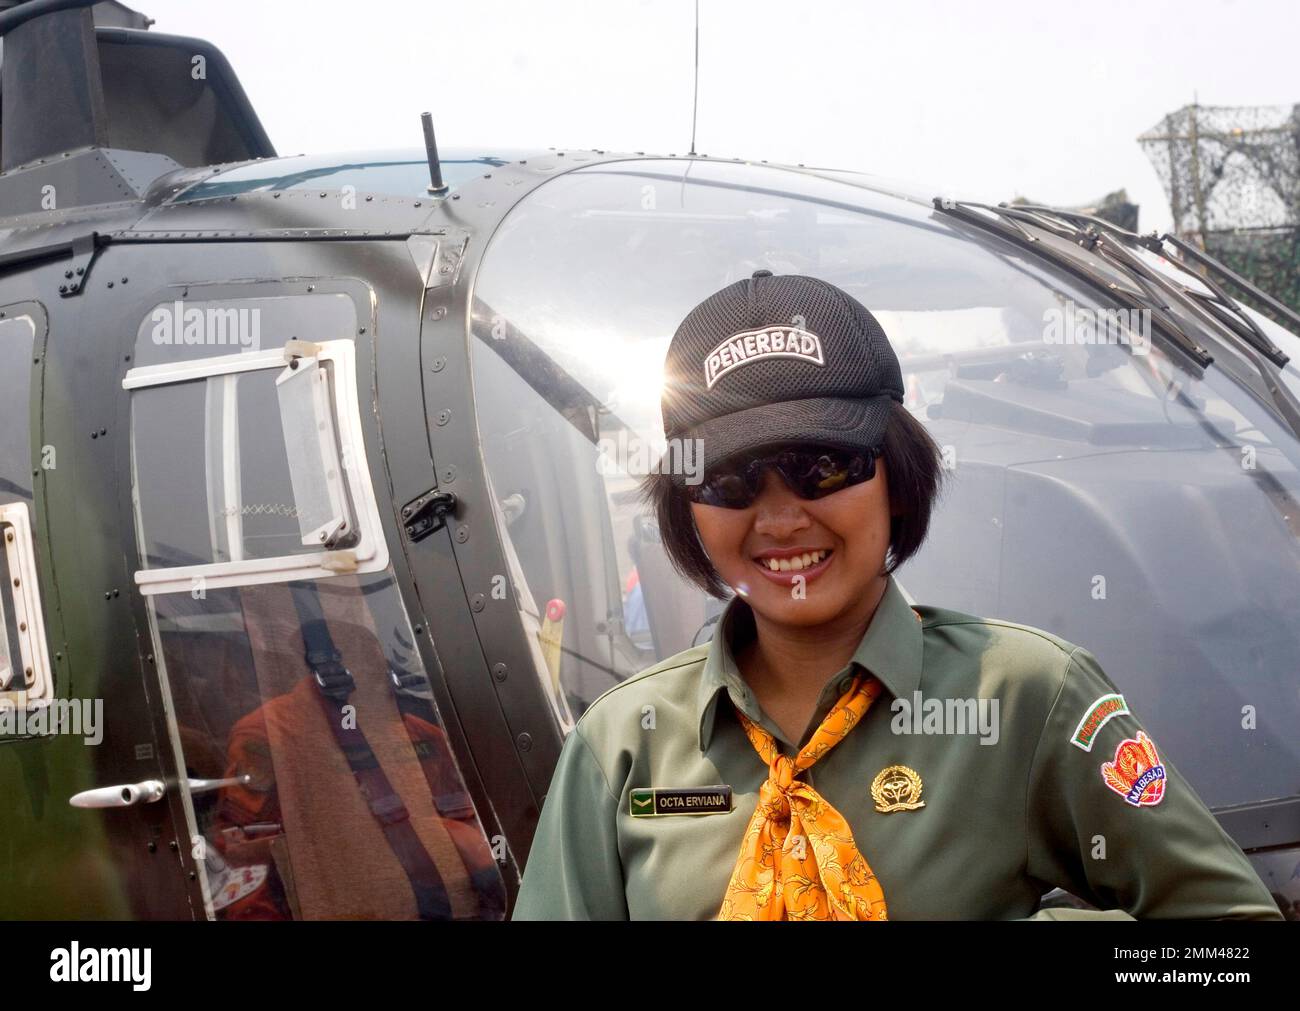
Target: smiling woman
(760,777)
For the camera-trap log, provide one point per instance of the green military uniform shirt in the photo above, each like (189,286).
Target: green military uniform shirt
(999,823)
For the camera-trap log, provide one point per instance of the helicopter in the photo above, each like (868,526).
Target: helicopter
(318,477)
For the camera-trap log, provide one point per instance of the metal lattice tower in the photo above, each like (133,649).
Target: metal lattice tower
(1232,176)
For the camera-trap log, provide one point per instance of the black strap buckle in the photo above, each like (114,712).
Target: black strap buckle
(335,680)
(406,681)
(389,809)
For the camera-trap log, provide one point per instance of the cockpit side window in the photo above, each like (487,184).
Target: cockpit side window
(26,677)
(264,451)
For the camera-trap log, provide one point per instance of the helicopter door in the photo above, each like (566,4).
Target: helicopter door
(318,775)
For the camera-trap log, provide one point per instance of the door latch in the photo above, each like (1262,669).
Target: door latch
(425,515)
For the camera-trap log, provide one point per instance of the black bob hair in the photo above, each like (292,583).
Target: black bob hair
(914,470)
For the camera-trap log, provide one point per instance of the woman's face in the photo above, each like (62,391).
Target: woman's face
(851,524)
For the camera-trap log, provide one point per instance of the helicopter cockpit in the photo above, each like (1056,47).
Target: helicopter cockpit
(1101,484)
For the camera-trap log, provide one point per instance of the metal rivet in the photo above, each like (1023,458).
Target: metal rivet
(439,364)
(173,845)
(153,846)
(478,602)
(448,474)
(444,416)
(462,534)
(525,742)
(440,312)
(499,671)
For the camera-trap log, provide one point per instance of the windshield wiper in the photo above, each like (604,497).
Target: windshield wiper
(1218,314)
(1225,309)
(1008,223)
(1274,354)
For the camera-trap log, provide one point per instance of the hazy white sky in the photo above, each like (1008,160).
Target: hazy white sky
(989,100)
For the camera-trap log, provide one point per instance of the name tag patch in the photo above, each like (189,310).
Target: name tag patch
(650,802)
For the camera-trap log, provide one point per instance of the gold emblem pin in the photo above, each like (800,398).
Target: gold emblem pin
(896,788)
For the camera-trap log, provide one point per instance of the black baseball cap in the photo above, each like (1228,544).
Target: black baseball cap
(778,358)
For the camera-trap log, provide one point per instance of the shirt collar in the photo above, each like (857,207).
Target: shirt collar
(890,649)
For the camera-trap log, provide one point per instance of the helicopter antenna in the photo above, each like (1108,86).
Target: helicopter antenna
(695,101)
(436,186)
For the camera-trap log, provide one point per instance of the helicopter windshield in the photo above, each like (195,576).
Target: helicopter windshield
(1100,489)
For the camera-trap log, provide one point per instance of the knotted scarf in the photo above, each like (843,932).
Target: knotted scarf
(798,860)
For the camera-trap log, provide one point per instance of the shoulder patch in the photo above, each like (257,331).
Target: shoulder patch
(1137,773)
(1097,716)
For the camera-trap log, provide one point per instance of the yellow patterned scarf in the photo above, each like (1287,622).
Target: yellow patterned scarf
(798,860)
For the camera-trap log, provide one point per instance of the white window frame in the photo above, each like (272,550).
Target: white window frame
(26,600)
(323,444)
(370,554)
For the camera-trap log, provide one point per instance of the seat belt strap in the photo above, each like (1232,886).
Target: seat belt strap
(414,697)
(335,684)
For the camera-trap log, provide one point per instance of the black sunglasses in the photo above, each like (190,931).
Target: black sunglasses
(811,471)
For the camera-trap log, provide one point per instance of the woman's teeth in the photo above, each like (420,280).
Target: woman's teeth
(807,559)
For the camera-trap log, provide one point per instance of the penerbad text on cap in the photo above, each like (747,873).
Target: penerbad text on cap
(754,345)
